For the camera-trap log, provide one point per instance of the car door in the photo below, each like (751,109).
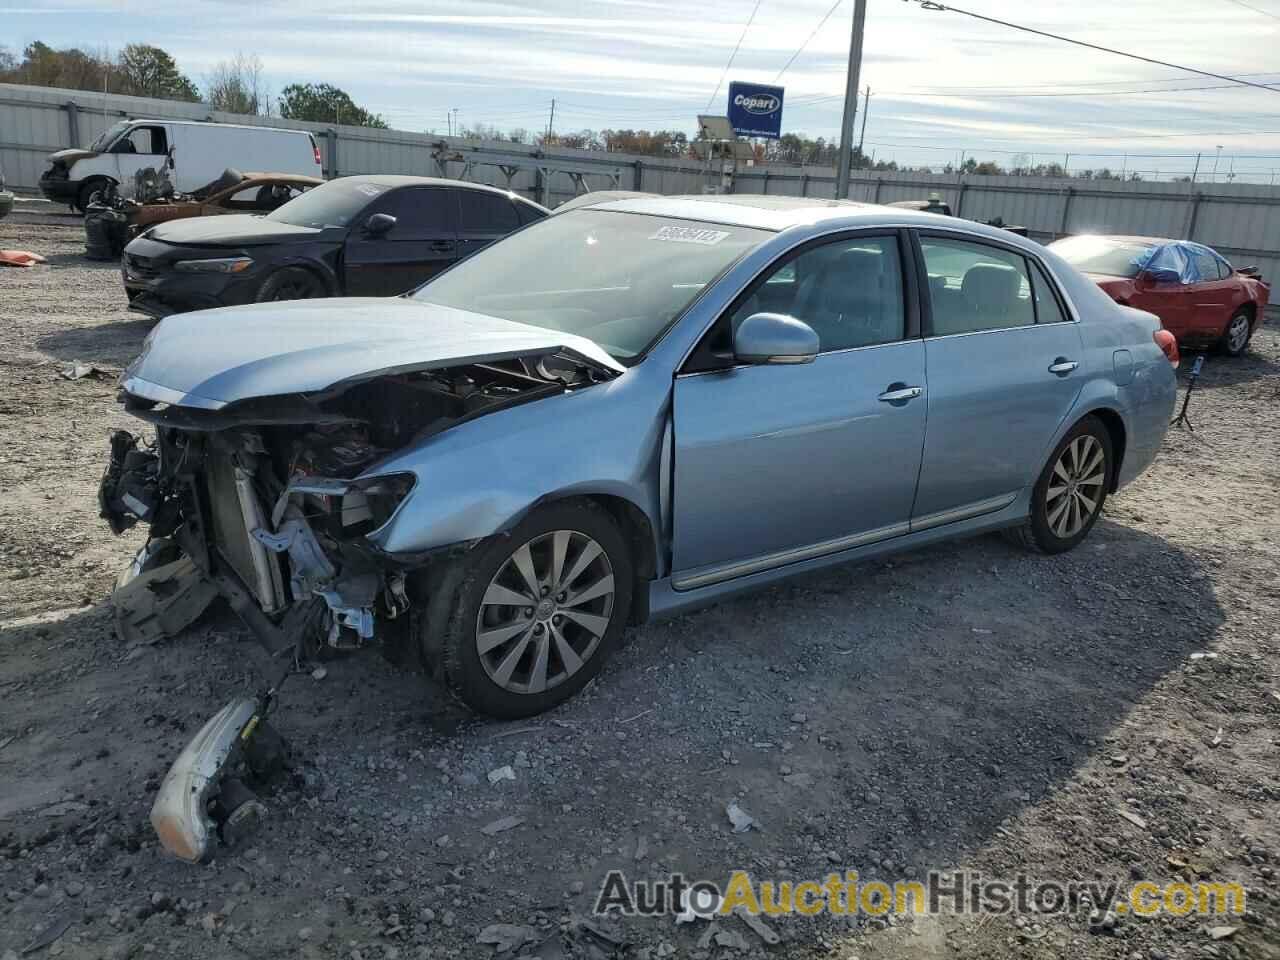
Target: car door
(1162,288)
(141,146)
(1212,297)
(775,464)
(1004,371)
(422,242)
(483,217)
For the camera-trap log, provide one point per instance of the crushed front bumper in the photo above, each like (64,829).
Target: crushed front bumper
(180,814)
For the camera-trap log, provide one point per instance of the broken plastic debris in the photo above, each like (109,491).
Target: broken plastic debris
(319,673)
(758,926)
(741,820)
(1133,818)
(78,371)
(502,773)
(507,937)
(20,258)
(501,825)
(698,904)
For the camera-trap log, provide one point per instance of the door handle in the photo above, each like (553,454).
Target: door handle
(899,393)
(441,246)
(1062,366)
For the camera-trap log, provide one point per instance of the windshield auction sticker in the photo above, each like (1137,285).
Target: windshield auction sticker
(707,238)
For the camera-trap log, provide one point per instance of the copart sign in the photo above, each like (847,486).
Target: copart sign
(755,110)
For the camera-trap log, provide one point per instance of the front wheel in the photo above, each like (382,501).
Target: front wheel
(291,283)
(539,611)
(1067,499)
(1235,340)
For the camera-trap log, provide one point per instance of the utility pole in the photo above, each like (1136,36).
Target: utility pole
(1216,156)
(551,121)
(866,106)
(850,99)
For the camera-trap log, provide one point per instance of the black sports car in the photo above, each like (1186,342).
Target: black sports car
(356,236)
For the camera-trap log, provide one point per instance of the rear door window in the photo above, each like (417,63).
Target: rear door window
(973,287)
(1048,307)
(486,213)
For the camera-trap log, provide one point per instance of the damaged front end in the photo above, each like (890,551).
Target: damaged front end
(269,502)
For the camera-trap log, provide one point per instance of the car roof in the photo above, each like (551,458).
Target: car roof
(404,180)
(779,213)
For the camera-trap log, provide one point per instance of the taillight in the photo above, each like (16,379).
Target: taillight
(315,149)
(1168,343)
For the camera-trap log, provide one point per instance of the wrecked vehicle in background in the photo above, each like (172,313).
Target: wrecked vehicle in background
(623,411)
(6,198)
(112,220)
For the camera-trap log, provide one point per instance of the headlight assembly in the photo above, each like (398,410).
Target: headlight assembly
(370,503)
(224,265)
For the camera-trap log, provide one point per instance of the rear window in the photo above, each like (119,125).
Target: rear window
(334,204)
(1104,255)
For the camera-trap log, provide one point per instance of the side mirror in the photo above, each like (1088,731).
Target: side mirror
(1160,276)
(378,224)
(774,338)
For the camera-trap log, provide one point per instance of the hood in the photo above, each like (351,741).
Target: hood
(70,155)
(212,358)
(231,230)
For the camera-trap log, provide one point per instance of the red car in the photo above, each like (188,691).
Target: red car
(1198,296)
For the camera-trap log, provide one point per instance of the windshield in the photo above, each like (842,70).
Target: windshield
(332,204)
(107,135)
(619,279)
(1111,258)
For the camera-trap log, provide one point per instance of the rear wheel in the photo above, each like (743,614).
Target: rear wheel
(538,612)
(1235,340)
(1067,499)
(291,283)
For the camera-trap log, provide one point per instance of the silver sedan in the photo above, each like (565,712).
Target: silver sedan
(626,411)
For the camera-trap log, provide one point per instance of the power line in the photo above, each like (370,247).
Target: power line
(931,5)
(821,23)
(1249,6)
(725,73)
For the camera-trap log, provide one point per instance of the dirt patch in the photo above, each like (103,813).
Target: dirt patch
(1111,713)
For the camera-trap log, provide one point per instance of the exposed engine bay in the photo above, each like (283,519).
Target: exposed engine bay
(264,498)
(267,502)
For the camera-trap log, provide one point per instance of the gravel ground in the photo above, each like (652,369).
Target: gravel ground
(1112,713)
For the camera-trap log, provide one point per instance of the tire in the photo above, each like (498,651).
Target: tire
(87,189)
(492,651)
(291,283)
(1048,529)
(1235,339)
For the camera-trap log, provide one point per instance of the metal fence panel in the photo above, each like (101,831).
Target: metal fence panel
(1240,220)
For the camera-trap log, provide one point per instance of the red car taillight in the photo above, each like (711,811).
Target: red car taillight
(315,149)
(1167,342)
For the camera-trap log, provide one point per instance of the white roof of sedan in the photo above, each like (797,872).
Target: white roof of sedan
(766,212)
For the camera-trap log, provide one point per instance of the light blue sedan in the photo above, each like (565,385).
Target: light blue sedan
(627,411)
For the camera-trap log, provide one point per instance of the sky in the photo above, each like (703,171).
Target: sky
(943,84)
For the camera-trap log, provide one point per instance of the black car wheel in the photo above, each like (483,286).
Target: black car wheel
(1068,497)
(291,283)
(87,189)
(536,613)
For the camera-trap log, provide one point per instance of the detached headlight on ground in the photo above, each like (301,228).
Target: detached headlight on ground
(180,814)
(223,265)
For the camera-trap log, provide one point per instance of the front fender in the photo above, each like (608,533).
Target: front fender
(481,477)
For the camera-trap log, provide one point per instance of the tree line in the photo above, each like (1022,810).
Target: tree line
(236,85)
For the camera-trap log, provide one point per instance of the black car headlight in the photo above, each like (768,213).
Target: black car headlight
(371,502)
(221,265)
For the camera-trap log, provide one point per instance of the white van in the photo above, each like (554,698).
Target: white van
(198,151)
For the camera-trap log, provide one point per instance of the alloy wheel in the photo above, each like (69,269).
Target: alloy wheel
(545,611)
(1238,333)
(1075,489)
